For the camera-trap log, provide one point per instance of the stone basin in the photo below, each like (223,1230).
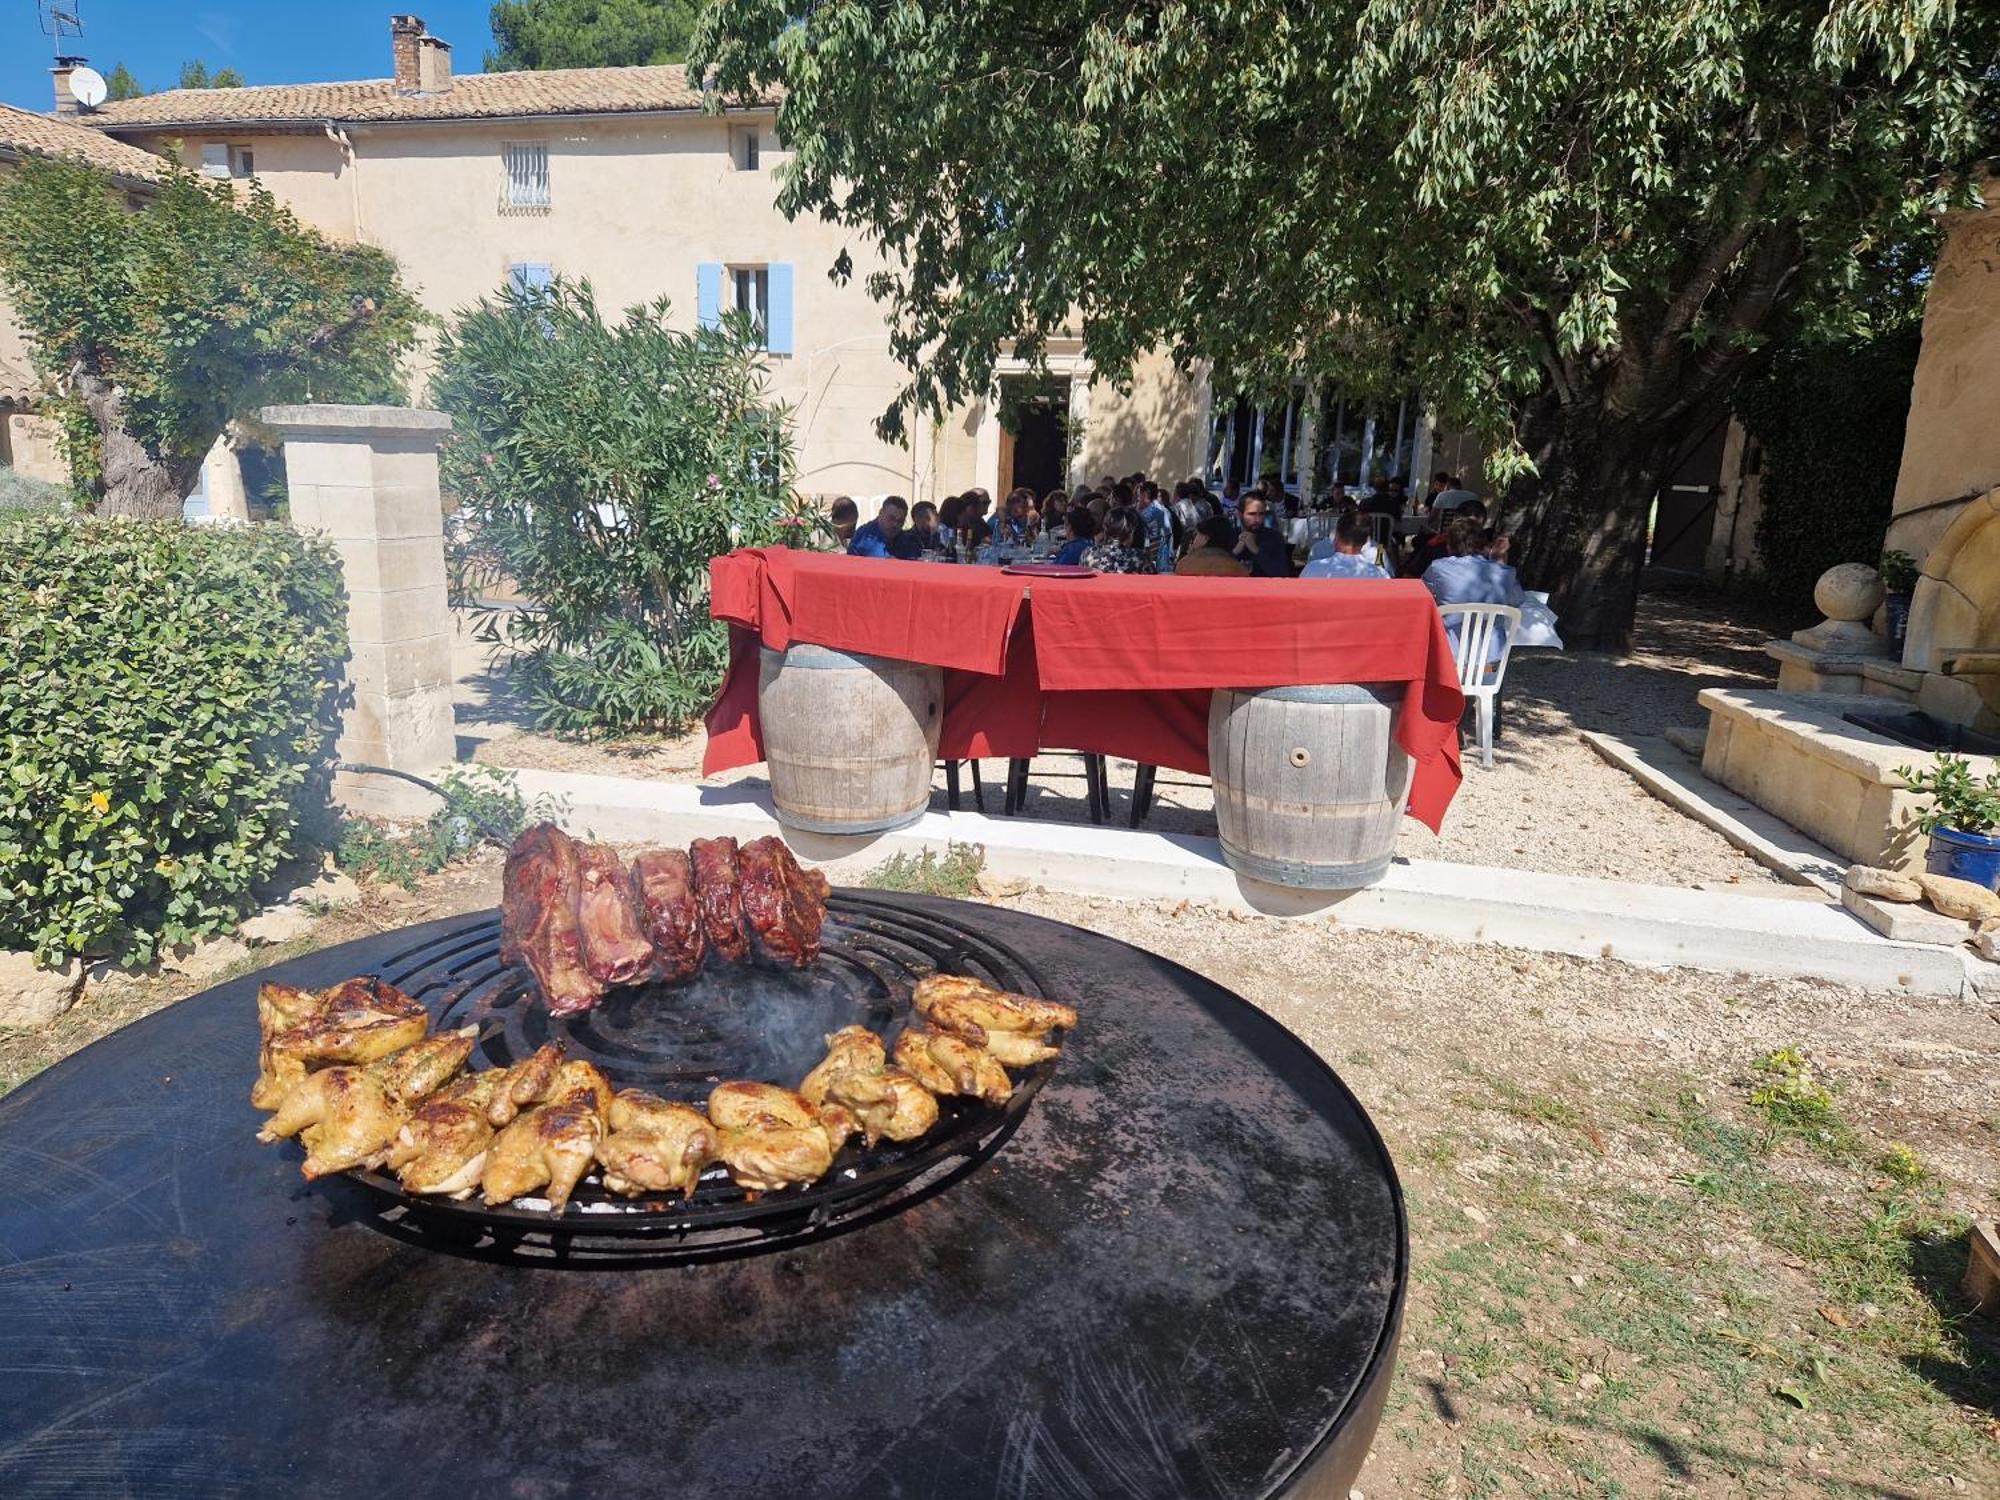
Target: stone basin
(1922,731)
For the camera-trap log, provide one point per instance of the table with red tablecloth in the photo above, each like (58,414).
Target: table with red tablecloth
(1119,665)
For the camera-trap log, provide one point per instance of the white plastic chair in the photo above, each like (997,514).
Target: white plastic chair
(1482,661)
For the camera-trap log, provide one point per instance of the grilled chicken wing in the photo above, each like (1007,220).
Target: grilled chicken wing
(654,1146)
(947,1064)
(442,1147)
(553,1144)
(357,1021)
(850,1048)
(769,1137)
(345,1117)
(425,1067)
(526,1082)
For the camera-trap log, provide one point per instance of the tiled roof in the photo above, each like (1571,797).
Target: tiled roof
(472,96)
(24,133)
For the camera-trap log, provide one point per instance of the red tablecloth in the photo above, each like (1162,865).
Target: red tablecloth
(1117,665)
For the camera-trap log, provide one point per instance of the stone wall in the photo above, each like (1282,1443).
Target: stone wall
(1951,447)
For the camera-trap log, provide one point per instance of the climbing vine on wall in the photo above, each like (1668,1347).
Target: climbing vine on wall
(1830,419)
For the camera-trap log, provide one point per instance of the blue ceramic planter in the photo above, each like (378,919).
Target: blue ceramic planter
(1965,856)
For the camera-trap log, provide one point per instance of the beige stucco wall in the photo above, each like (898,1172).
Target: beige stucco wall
(636,205)
(1951,447)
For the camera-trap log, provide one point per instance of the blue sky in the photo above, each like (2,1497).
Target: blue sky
(267,41)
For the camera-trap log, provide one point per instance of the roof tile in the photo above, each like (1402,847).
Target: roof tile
(25,133)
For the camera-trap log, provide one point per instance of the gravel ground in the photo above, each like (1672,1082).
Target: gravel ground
(1549,803)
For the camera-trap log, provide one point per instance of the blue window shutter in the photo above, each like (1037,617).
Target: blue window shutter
(531,278)
(708,293)
(779,338)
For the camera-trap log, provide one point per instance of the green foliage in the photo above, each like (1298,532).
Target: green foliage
(1958,799)
(1794,1102)
(600,467)
(167,715)
(482,805)
(195,75)
(1830,418)
(19,492)
(122,85)
(1898,570)
(1901,1163)
(200,306)
(954,873)
(589,33)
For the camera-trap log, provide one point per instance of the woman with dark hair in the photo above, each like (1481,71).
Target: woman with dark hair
(1054,506)
(1082,537)
(1121,545)
(948,510)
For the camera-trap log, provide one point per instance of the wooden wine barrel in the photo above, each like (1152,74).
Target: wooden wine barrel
(849,740)
(1309,782)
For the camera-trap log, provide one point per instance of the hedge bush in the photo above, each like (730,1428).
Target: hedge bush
(167,713)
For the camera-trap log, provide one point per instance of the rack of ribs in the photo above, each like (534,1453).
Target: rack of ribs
(583,922)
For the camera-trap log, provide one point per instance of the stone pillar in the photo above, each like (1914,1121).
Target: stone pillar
(366,476)
(222,477)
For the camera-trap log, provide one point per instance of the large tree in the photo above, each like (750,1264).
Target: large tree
(157,323)
(195,75)
(1570,223)
(589,33)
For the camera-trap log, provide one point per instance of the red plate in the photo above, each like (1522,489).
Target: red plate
(1049,570)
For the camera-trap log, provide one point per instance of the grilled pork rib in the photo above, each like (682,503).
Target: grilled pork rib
(673,922)
(784,906)
(717,882)
(538,919)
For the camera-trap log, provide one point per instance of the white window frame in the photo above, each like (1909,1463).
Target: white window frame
(524,185)
(215,160)
(242,161)
(746,148)
(750,291)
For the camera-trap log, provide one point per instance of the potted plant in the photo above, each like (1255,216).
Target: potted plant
(1899,581)
(1961,819)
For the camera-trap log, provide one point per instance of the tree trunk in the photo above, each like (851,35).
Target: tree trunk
(1579,525)
(134,482)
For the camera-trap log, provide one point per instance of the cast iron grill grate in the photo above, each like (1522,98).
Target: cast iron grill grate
(731,1022)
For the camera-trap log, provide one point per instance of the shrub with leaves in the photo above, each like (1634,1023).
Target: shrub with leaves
(599,468)
(167,714)
(481,805)
(1959,800)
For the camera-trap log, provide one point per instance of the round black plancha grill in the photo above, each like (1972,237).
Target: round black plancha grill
(732,1021)
(1183,1276)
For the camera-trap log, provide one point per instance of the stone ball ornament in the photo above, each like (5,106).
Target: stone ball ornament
(1848,591)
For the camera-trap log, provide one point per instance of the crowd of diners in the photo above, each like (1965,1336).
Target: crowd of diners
(1134,525)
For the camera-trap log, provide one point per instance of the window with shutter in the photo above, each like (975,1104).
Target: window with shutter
(215,160)
(527,188)
(530,277)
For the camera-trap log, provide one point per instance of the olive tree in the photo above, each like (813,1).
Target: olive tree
(1570,223)
(157,322)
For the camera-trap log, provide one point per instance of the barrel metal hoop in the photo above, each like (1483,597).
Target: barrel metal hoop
(1305,875)
(1388,694)
(810,658)
(808,824)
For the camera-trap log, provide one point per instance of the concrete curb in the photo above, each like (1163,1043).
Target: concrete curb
(1640,924)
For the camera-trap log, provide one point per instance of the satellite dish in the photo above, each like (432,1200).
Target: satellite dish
(89,87)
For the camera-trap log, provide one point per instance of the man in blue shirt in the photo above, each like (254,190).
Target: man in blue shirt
(1159,524)
(1468,575)
(884,536)
(1342,556)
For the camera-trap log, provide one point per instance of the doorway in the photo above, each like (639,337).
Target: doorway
(1034,435)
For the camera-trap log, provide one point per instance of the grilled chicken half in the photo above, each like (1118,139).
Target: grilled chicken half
(553,1144)
(442,1147)
(1013,1028)
(947,1064)
(768,1137)
(344,1115)
(654,1146)
(357,1021)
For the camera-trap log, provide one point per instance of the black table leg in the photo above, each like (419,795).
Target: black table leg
(1100,795)
(951,783)
(1017,785)
(1142,793)
(978,791)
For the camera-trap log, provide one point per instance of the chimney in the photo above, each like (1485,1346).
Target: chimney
(433,64)
(66,101)
(405,35)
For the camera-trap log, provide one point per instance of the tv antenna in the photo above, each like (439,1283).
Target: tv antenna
(62,23)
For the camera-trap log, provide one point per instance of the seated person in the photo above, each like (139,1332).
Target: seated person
(1268,554)
(1082,537)
(1121,545)
(1209,554)
(1468,576)
(924,527)
(844,517)
(884,536)
(1343,554)
(1435,544)
(1018,522)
